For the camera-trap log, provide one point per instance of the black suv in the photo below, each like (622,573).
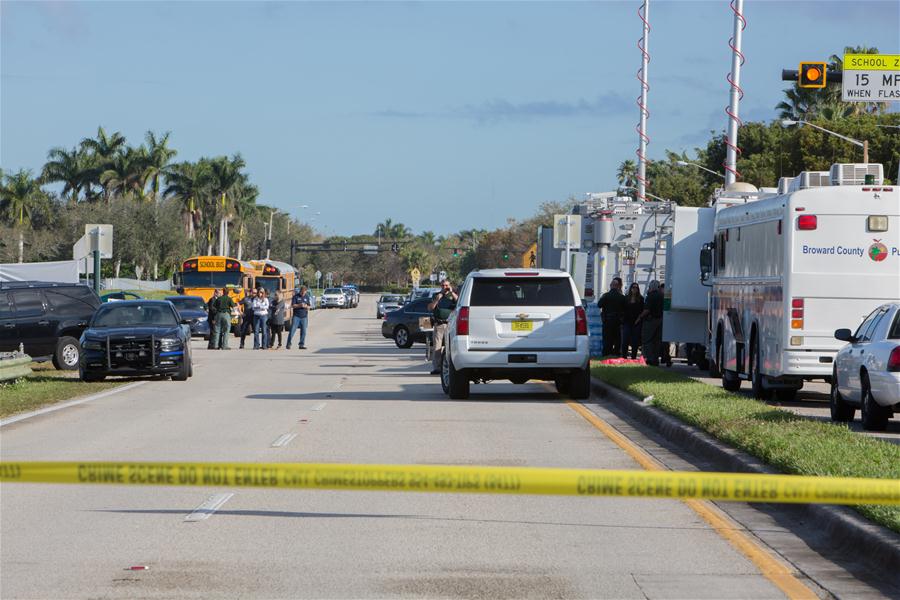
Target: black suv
(47,318)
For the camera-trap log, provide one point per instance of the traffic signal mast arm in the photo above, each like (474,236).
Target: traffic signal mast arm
(794,75)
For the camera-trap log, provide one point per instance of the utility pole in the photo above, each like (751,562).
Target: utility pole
(734,79)
(269,240)
(643,139)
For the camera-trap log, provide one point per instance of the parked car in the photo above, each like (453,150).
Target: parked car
(352,297)
(387,303)
(417,293)
(517,324)
(116,296)
(867,370)
(193,309)
(402,325)
(136,337)
(333,298)
(353,294)
(47,318)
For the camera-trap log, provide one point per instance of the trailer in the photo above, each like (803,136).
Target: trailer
(788,269)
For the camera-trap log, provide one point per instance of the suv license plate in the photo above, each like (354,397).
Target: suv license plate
(522,325)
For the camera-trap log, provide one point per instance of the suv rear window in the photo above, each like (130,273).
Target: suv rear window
(521,291)
(71,301)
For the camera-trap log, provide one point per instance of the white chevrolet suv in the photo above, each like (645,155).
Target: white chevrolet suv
(517,324)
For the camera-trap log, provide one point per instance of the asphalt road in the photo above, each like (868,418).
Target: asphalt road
(351,397)
(811,401)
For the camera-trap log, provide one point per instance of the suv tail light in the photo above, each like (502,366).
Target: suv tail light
(894,360)
(581,327)
(462,321)
(807,222)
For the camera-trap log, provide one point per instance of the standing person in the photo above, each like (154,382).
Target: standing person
(612,311)
(260,320)
(651,324)
(247,314)
(301,303)
(631,330)
(276,320)
(224,305)
(440,306)
(664,356)
(211,318)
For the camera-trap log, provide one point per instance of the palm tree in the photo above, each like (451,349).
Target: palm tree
(225,176)
(382,230)
(20,195)
(67,167)
(188,183)
(102,150)
(159,156)
(245,207)
(125,175)
(627,173)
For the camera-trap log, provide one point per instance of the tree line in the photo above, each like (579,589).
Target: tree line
(770,149)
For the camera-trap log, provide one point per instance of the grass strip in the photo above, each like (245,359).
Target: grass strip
(791,443)
(46,386)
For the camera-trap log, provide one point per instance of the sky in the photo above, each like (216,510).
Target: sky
(441,115)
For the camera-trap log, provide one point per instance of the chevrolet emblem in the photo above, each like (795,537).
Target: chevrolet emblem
(522,316)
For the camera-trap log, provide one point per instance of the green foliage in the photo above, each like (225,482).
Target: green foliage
(791,443)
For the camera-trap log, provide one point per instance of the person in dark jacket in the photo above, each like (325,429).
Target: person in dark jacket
(631,329)
(612,311)
(651,324)
(247,314)
(211,318)
(276,320)
(224,305)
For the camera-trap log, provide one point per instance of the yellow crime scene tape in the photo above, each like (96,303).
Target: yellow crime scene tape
(466,479)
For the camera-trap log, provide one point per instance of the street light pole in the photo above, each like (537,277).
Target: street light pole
(864,144)
(685,163)
(631,187)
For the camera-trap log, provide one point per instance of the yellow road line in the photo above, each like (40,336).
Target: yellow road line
(770,567)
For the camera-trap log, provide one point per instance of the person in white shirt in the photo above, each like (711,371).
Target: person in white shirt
(261,321)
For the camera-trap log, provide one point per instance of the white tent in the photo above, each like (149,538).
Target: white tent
(63,271)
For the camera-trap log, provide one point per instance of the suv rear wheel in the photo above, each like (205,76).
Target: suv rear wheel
(67,354)
(456,383)
(580,384)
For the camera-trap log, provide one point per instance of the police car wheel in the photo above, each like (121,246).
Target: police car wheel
(874,416)
(841,411)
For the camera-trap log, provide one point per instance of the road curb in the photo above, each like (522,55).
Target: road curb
(67,403)
(867,541)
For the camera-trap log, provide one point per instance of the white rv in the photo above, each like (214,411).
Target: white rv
(789,269)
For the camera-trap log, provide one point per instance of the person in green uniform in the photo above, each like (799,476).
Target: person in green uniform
(440,306)
(224,306)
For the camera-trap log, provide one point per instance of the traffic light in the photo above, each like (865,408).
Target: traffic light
(506,256)
(456,253)
(812,75)
(395,247)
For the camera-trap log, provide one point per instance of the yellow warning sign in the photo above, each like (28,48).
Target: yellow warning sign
(464,479)
(871,62)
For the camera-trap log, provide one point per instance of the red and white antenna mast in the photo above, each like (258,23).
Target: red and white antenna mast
(643,139)
(734,79)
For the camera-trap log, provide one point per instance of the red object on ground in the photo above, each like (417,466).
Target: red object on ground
(138,568)
(622,361)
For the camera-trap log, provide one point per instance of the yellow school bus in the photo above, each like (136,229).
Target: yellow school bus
(277,276)
(202,275)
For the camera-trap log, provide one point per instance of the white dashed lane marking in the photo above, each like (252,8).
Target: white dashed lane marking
(208,508)
(284,440)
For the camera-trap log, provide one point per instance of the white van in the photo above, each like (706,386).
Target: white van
(517,324)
